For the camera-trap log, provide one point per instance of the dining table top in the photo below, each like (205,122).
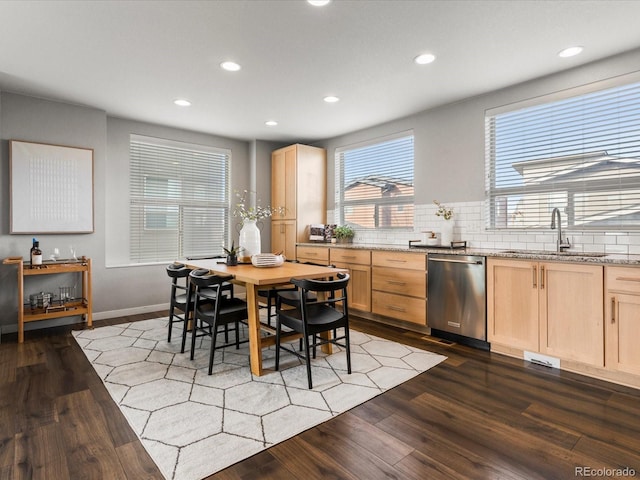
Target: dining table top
(250,274)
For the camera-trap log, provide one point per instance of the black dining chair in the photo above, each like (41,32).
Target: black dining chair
(327,312)
(212,309)
(181,299)
(290,296)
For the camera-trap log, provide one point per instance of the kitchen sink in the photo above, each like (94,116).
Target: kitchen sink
(559,254)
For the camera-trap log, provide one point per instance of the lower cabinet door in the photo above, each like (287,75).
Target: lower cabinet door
(512,303)
(623,332)
(571,312)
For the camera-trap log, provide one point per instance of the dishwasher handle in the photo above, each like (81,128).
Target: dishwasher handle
(455,260)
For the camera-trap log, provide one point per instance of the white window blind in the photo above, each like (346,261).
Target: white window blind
(580,154)
(179,200)
(374,183)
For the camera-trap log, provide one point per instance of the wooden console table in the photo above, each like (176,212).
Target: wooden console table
(71,308)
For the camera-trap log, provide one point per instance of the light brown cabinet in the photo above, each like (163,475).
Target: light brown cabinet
(358,263)
(547,307)
(319,254)
(283,236)
(512,304)
(622,316)
(571,315)
(298,183)
(399,286)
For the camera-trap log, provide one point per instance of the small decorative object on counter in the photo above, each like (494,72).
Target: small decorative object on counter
(430,239)
(232,254)
(446,236)
(36,254)
(344,233)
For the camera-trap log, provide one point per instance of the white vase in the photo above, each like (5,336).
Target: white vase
(249,240)
(446,235)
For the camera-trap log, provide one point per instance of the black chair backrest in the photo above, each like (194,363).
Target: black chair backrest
(202,278)
(178,270)
(306,285)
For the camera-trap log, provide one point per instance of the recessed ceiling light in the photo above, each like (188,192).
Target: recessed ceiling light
(182,102)
(570,52)
(230,66)
(331,99)
(318,3)
(271,123)
(424,59)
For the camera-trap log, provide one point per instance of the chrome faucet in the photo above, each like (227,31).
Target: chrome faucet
(560,243)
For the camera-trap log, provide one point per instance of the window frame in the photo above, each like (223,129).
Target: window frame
(342,204)
(195,214)
(567,187)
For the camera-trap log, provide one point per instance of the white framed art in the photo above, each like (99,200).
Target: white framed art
(51,188)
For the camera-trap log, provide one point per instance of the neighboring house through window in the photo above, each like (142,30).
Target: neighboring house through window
(179,199)
(374,183)
(580,154)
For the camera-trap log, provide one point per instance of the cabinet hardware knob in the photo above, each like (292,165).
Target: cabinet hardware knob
(396,308)
(628,279)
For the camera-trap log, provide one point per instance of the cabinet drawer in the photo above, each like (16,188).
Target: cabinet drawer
(350,255)
(313,254)
(401,307)
(401,281)
(413,261)
(623,279)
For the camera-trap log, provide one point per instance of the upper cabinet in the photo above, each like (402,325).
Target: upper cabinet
(299,184)
(283,181)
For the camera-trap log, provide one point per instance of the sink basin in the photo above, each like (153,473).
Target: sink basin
(558,254)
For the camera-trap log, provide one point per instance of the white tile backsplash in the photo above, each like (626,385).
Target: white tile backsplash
(470,226)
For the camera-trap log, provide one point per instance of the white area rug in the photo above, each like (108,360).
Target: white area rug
(194,425)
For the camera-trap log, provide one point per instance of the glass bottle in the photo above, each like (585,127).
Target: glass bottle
(36,254)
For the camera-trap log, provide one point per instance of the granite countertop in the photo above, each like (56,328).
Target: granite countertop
(570,256)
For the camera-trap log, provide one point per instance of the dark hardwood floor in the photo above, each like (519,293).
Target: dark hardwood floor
(476,416)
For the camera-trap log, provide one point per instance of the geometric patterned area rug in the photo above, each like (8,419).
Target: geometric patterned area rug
(194,424)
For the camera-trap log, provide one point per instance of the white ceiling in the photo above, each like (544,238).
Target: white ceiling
(133,58)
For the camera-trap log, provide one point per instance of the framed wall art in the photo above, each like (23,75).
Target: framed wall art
(51,188)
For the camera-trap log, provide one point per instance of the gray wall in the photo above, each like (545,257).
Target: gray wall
(38,120)
(449,141)
(125,288)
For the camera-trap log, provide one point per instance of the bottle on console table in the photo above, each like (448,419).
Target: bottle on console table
(36,254)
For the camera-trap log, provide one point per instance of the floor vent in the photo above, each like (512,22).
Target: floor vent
(540,359)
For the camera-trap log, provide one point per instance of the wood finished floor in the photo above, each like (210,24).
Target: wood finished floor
(476,416)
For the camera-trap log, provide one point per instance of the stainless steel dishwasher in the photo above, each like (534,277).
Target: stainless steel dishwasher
(456,298)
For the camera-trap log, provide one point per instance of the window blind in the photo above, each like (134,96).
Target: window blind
(374,183)
(179,200)
(580,154)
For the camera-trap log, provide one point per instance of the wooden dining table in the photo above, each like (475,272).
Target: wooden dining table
(260,278)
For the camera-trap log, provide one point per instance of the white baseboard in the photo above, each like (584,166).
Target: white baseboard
(144,309)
